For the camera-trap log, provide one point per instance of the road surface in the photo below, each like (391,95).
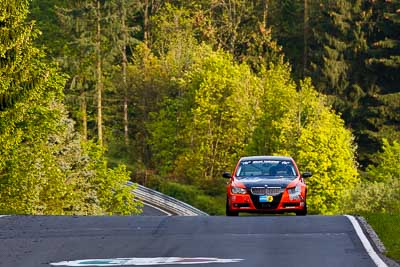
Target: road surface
(28,241)
(151,210)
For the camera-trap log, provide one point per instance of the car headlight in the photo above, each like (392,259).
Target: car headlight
(294,190)
(238,190)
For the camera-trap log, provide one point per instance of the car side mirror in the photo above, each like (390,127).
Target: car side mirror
(227,175)
(306,174)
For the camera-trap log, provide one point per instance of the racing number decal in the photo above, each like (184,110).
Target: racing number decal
(266,198)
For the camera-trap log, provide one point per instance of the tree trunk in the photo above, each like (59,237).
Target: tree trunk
(146,23)
(305,36)
(99,81)
(265,14)
(124,64)
(83,108)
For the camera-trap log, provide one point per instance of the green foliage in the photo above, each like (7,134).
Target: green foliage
(326,148)
(195,197)
(381,187)
(374,197)
(386,161)
(43,167)
(113,195)
(150,81)
(173,27)
(194,109)
(382,104)
(29,92)
(355,62)
(278,98)
(232,112)
(286,22)
(53,39)
(163,128)
(240,27)
(223,112)
(301,124)
(57,176)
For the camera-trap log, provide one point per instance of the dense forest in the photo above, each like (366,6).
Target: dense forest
(170,93)
(45,166)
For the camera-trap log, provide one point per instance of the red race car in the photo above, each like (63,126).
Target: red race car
(266,184)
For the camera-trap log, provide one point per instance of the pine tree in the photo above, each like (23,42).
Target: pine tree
(383,99)
(338,62)
(23,77)
(286,21)
(30,112)
(76,58)
(84,57)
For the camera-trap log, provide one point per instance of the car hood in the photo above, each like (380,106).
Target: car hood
(263,182)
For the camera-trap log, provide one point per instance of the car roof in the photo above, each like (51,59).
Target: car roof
(265,158)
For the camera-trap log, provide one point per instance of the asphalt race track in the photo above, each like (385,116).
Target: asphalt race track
(148,210)
(34,241)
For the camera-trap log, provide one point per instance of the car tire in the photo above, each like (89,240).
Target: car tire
(302,212)
(228,211)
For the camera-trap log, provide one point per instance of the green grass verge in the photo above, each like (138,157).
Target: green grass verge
(387,226)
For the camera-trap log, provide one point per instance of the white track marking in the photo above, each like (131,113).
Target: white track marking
(4,215)
(143,261)
(157,208)
(367,245)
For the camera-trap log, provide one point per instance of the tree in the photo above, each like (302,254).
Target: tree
(301,124)
(338,69)
(382,99)
(288,22)
(278,97)
(384,168)
(44,169)
(53,39)
(317,138)
(76,58)
(85,21)
(223,106)
(23,79)
(99,71)
(122,33)
(240,27)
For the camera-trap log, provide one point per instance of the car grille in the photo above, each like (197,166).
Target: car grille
(270,191)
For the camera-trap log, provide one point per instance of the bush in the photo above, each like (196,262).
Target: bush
(380,191)
(182,192)
(374,197)
(213,205)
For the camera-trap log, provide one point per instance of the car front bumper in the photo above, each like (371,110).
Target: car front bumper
(265,204)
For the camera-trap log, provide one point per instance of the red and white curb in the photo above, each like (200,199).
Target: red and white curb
(143,261)
(367,245)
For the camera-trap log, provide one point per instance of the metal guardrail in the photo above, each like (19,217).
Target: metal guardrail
(165,202)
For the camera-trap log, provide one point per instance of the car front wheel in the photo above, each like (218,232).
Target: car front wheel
(303,212)
(228,211)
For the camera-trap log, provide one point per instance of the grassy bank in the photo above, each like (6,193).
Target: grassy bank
(211,204)
(388,230)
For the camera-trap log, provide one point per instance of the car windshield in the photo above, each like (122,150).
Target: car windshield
(268,168)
